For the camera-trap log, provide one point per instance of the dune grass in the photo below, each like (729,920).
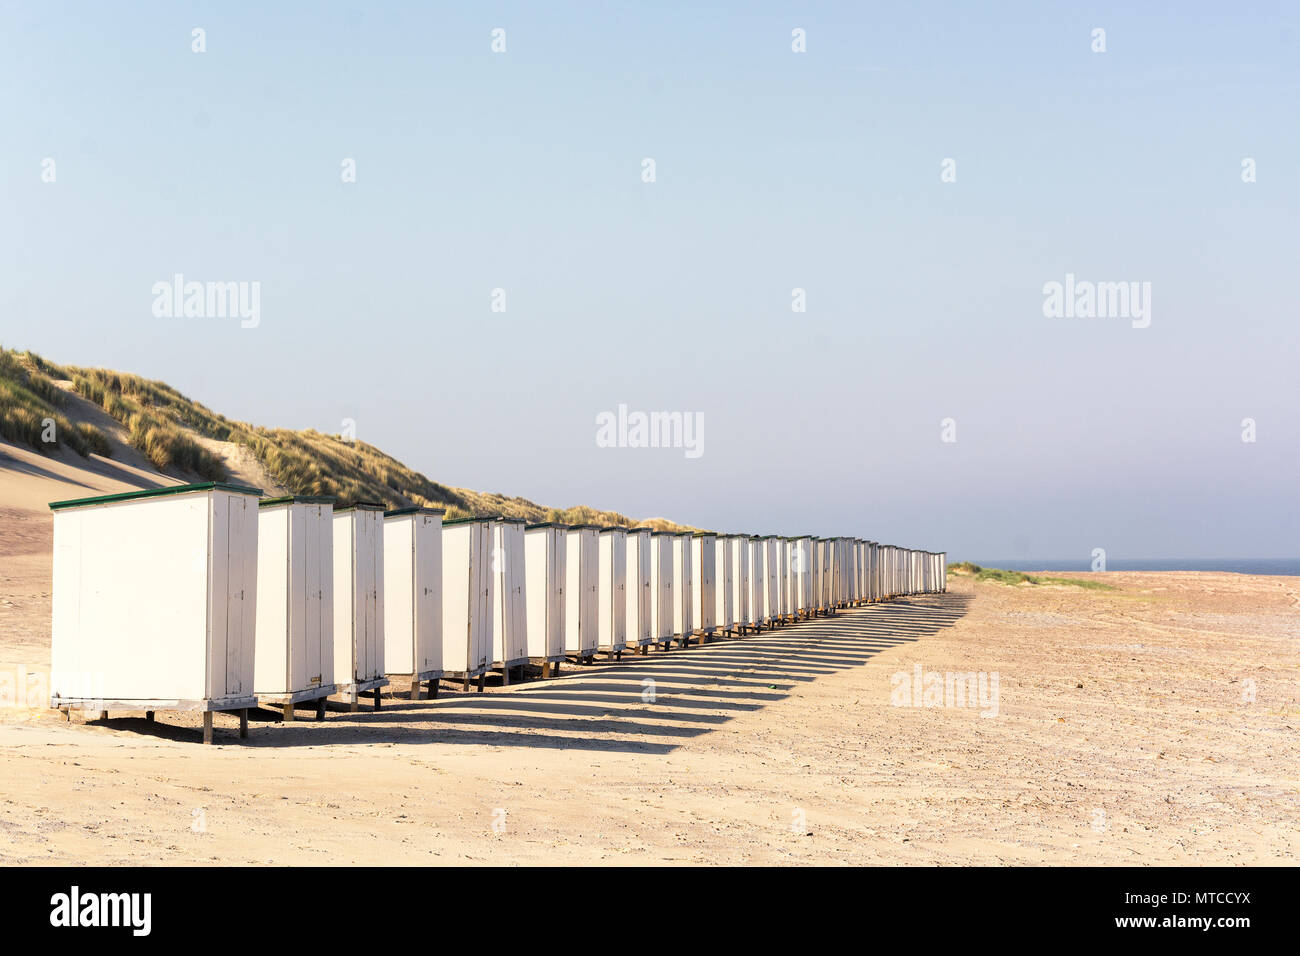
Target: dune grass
(1002,576)
(155,416)
(160,421)
(30,403)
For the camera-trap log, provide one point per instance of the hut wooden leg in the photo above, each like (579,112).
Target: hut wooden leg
(103,715)
(505,676)
(148,715)
(320,708)
(243,723)
(482,680)
(555,669)
(546,669)
(433,689)
(67,714)
(376,698)
(466,688)
(288,712)
(207,726)
(415,687)
(644,649)
(352,702)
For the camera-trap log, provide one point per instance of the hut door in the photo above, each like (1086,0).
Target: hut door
(556,555)
(314,564)
(370,584)
(643,569)
(620,588)
(237,586)
(480,643)
(425,606)
(519,606)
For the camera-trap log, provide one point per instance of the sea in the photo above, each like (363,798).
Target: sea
(1235,565)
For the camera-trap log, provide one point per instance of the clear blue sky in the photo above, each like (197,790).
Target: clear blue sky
(775,170)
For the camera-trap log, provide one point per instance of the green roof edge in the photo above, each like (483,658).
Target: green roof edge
(154,493)
(298,499)
(414,510)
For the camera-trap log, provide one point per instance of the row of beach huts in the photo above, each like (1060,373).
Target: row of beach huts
(210,597)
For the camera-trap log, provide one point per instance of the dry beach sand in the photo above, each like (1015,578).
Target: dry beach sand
(1156,723)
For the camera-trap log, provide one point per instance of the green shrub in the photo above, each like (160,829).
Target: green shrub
(1001,576)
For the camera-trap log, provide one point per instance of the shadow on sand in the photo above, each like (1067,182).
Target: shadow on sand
(606,706)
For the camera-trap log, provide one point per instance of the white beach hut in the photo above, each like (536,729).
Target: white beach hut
(413,596)
(741,598)
(154,602)
(468,591)
(877,571)
(684,580)
(859,570)
(772,583)
(359,601)
(704,591)
(295,607)
(783,579)
(758,615)
(510,603)
(869,586)
(801,573)
(638,593)
(808,576)
(663,595)
(724,617)
(545,556)
(582,609)
(611,597)
(826,553)
(837,571)
(864,563)
(846,572)
(818,577)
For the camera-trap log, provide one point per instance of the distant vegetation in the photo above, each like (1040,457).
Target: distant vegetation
(1001,576)
(160,420)
(29,398)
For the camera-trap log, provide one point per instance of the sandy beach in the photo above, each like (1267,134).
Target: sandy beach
(1151,724)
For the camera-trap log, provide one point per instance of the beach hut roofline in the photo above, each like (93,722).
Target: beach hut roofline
(360,506)
(155,493)
(417,510)
(297,499)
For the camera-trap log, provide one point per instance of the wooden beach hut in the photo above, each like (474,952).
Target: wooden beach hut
(154,602)
(295,607)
